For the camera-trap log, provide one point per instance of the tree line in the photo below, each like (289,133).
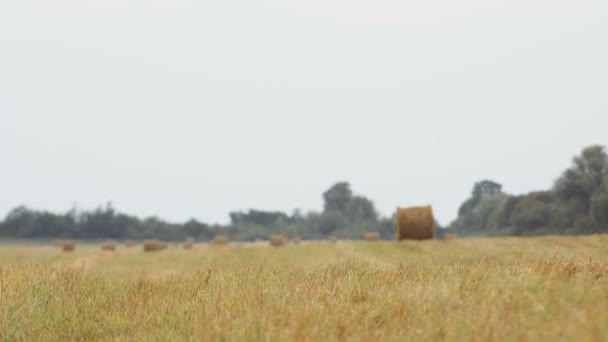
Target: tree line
(576,204)
(344,215)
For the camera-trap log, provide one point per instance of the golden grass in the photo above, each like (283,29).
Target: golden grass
(372,236)
(415,223)
(524,289)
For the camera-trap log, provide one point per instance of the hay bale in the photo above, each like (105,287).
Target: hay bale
(221,240)
(450,236)
(189,243)
(372,236)
(108,245)
(154,245)
(129,243)
(68,245)
(296,240)
(416,223)
(277,240)
(333,239)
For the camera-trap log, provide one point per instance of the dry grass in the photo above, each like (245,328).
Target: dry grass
(416,223)
(277,240)
(154,245)
(372,236)
(108,245)
(502,289)
(221,240)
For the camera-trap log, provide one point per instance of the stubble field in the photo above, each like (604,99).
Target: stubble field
(484,289)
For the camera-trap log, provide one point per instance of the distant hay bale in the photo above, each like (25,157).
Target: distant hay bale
(189,243)
(296,240)
(221,240)
(333,239)
(129,243)
(108,245)
(67,245)
(450,236)
(372,236)
(277,240)
(154,245)
(416,223)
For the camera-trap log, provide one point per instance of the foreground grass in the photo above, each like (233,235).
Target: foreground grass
(550,288)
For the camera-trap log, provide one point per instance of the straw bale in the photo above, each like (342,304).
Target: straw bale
(415,223)
(277,240)
(108,245)
(189,243)
(154,245)
(372,236)
(221,240)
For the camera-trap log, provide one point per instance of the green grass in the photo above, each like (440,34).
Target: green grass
(547,288)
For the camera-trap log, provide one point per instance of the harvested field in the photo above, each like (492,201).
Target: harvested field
(483,289)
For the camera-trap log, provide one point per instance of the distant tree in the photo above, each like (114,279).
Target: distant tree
(360,208)
(486,188)
(259,217)
(330,221)
(599,206)
(586,175)
(337,197)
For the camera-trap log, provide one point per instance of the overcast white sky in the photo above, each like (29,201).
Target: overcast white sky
(195,108)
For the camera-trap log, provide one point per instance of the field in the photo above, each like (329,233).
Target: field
(529,289)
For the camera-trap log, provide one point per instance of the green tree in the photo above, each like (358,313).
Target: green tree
(486,188)
(360,208)
(337,197)
(585,176)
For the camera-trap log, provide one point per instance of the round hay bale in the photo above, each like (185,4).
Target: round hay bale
(154,245)
(296,240)
(277,240)
(189,243)
(416,223)
(333,239)
(450,236)
(108,245)
(372,236)
(68,245)
(129,243)
(221,240)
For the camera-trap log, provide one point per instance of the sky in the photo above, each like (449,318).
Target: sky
(191,109)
